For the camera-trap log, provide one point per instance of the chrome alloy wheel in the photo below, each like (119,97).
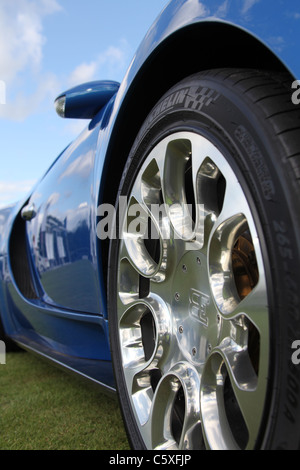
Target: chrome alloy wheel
(192,305)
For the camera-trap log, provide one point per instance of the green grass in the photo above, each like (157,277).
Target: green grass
(44,408)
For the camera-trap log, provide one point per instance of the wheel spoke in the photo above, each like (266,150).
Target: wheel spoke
(255,308)
(177,157)
(175,412)
(193,310)
(250,401)
(133,245)
(232,398)
(234,203)
(145,336)
(217,433)
(233,228)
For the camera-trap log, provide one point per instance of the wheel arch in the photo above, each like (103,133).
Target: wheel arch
(199,46)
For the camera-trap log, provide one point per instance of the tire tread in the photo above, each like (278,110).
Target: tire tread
(273,94)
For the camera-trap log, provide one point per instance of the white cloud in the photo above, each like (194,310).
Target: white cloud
(21,53)
(22,105)
(13,191)
(109,64)
(22,39)
(277,42)
(248,4)
(83,73)
(21,35)
(222,10)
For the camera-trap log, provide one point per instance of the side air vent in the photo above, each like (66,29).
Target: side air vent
(19,259)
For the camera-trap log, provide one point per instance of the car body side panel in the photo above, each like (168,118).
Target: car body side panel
(190,36)
(276,25)
(6,219)
(71,334)
(63,323)
(276,29)
(61,235)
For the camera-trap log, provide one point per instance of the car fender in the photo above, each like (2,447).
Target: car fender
(167,54)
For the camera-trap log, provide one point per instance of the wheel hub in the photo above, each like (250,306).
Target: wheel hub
(194,314)
(192,306)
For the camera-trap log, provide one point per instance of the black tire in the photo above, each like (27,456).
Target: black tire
(249,117)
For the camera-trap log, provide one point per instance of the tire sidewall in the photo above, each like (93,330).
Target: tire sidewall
(236,127)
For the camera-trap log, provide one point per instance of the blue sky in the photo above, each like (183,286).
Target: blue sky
(47,46)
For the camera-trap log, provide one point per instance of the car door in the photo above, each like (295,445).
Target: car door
(61,229)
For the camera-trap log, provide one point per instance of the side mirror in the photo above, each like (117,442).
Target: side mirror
(86,100)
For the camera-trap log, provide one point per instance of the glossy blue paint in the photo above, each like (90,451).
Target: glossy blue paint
(256,34)
(86,100)
(61,236)
(65,321)
(274,26)
(66,318)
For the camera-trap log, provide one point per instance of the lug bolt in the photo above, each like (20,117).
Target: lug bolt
(177,296)
(180,329)
(184,268)
(194,351)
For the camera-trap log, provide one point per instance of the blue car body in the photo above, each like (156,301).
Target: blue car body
(53,268)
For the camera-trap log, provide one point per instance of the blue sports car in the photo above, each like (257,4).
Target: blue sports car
(159,256)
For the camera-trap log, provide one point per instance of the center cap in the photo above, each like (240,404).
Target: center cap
(195,316)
